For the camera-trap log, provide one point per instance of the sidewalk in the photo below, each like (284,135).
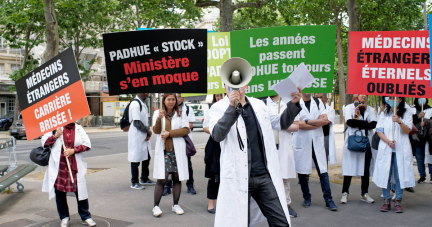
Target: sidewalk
(113,202)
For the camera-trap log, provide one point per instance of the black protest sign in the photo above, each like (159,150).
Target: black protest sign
(156,61)
(52,95)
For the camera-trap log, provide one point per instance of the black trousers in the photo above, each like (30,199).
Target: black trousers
(63,209)
(212,189)
(190,181)
(144,170)
(261,188)
(364,178)
(324,180)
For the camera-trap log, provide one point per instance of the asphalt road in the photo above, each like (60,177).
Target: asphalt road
(103,144)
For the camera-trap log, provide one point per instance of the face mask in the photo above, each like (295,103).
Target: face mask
(391,103)
(422,101)
(230,89)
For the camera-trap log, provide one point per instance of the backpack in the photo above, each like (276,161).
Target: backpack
(124,121)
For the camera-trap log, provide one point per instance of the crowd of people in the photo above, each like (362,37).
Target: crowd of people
(254,150)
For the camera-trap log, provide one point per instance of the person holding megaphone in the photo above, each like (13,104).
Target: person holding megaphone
(250,180)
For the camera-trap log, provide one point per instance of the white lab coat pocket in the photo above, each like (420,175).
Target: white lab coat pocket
(228,167)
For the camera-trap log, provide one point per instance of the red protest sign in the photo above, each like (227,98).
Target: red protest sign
(52,95)
(392,63)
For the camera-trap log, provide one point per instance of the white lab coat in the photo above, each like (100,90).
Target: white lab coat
(190,117)
(232,208)
(138,149)
(332,143)
(81,138)
(428,157)
(303,140)
(403,152)
(353,162)
(286,152)
(179,146)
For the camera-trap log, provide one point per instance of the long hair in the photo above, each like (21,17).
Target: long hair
(214,98)
(418,106)
(401,108)
(175,108)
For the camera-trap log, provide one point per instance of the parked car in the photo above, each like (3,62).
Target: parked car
(199,119)
(17,129)
(6,122)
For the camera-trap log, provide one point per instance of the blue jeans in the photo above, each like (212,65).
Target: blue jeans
(420,156)
(396,187)
(324,180)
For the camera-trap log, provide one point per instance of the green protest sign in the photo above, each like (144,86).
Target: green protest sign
(275,52)
(218,51)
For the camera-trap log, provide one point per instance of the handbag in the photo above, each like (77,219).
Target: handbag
(358,143)
(414,130)
(375,141)
(190,148)
(40,155)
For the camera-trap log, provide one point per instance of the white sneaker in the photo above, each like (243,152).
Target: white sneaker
(366,198)
(177,209)
(65,222)
(344,199)
(89,222)
(394,197)
(157,211)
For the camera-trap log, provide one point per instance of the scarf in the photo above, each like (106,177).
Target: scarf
(357,111)
(69,140)
(356,100)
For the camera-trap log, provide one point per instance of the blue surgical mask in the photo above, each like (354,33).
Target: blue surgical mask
(422,101)
(230,89)
(391,103)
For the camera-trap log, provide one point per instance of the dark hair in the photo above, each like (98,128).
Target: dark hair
(214,98)
(418,107)
(401,108)
(175,108)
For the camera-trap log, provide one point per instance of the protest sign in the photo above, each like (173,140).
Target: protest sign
(218,51)
(52,95)
(390,63)
(156,61)
(275,53)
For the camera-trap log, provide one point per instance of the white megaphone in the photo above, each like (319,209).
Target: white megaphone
(236,73)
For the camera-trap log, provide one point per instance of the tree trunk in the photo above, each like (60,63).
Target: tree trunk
(353,26)
(226,15)
(52,35)
(342,91)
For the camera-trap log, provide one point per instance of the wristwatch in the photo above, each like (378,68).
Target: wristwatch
(400,122)
(306,121)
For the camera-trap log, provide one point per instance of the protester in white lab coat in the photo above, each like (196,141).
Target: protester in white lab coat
(329,137)
(211,160)
(428,156)
(57,181)
(394,158)
(189,112)
(309,148)
(170,152)
(285,147)
(358,116)
(419,143)
(249,162)
(139,147)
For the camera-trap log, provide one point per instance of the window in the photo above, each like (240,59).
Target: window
(10,104)
(15,67)
(2,42)
(2,72)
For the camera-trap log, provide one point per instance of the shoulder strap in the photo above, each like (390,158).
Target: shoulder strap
(317,102)
(187,110)
(138,103)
